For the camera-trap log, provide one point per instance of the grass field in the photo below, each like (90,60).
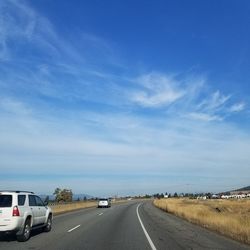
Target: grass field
(228,217)
(62,208)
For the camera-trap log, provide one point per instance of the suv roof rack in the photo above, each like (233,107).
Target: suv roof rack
(16,191)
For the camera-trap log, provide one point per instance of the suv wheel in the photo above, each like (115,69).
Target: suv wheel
(25,234)
(48,226)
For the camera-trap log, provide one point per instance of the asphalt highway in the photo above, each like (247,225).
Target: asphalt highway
(133,225)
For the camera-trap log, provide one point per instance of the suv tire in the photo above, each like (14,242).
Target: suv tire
(25,234)
(48,226)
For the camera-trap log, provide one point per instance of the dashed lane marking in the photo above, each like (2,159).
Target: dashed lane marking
(72,229)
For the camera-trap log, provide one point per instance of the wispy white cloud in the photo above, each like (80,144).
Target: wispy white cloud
(237,107)
(215,107)
(14,107)
(17,21)
(204,117)
(214,102)
(157,90)
(22,25)
(184,96)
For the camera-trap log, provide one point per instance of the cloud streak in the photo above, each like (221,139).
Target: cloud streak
(237,107)
(158,90)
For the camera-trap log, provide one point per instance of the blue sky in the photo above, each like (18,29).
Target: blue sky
(124,97)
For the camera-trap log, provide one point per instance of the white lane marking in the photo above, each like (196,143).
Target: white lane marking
(100,214)
(73,228)
(144,230)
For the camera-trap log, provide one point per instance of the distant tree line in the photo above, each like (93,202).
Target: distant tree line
(180,195)
(66,195)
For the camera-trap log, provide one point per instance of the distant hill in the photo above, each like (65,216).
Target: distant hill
(81,196)
(237,190)
(243,189)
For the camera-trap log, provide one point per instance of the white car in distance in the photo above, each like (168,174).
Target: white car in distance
(21,212)
(104,203)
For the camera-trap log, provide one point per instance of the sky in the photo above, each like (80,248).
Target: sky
(124,97)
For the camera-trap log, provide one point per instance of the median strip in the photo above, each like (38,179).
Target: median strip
(144,230)
(73,228)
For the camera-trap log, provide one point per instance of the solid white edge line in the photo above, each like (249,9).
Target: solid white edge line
(73,228)
(144,230)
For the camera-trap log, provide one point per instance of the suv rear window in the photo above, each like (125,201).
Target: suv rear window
(5,200)
(21,199)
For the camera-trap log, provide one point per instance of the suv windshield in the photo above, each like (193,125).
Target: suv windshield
(5,200)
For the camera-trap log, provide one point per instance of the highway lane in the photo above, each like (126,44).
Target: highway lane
(123,226)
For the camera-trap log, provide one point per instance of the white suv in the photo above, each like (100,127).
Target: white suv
(22,211)
(104,203)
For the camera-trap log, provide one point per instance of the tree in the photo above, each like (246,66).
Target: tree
(57,191)
(67,195)
(209,195)
(57,194)
(64,195)
(157,196)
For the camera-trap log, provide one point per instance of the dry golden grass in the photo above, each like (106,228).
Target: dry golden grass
(228,217)
(62,208)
